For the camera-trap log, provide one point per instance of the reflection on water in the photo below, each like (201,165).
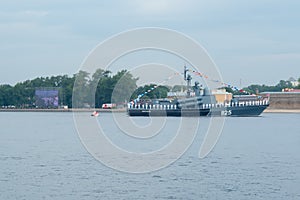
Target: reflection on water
(41,157)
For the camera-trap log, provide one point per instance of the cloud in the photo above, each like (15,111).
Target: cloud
(230,30)
(260,69)
(154,6)
(34,13)
(162,7)
(22,15)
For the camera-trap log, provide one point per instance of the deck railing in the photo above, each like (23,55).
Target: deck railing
(204,106)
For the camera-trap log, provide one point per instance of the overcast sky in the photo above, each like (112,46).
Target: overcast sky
(256,41)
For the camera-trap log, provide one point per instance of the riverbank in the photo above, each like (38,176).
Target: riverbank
(119,110)
(282,110)
(63,110)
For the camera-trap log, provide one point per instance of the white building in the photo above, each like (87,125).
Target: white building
(293,81)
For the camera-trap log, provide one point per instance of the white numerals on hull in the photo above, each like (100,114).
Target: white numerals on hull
(226,112)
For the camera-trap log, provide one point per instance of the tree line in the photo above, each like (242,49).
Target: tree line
(22,94)
(93,90)
(256,88)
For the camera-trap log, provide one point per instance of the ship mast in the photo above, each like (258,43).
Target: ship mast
(188,80)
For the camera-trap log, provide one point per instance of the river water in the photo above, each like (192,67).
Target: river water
(41,157)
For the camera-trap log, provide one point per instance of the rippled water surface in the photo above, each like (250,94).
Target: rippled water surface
(41,157)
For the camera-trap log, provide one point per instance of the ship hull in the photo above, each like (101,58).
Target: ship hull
(136,112)
(254,110)
(238,111)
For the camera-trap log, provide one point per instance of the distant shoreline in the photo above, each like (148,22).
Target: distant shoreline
(63,110)
(117,110)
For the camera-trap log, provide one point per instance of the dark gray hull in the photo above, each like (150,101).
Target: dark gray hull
(254,110)
(139,112)
(235,111)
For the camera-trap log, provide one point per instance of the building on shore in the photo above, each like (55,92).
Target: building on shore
(293,81)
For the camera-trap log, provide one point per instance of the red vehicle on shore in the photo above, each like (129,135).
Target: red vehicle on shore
(109,105)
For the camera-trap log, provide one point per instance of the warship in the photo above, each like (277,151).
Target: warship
(199,102)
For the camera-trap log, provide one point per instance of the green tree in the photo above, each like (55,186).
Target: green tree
(66,90)
(98,85)
(124,85)
(104,87)
(6,97)
(81,90)
(284,84)
(298,86)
